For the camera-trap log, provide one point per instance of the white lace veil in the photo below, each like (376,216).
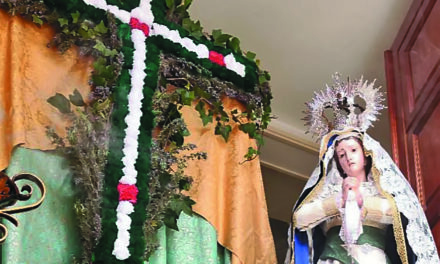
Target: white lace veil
(393,182)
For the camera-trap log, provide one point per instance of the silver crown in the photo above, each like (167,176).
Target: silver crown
(340,100)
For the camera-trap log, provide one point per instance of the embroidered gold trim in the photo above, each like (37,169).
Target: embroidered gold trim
(292,243)
(397,221)
(292,246)
(327,137)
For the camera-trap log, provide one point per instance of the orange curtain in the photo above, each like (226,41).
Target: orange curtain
(30,73)
(230,195)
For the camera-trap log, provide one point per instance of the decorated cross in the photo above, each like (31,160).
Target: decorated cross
(127,170)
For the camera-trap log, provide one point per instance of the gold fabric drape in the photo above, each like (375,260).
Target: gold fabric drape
(30,73)
(230,195)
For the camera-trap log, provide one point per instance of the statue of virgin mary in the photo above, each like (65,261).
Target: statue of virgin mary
(357,207)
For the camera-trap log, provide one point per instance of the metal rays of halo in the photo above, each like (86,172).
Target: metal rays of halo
(340,99)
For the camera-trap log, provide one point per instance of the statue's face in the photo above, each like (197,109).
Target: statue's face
(351,157)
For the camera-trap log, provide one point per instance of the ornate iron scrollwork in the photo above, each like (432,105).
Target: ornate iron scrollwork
(10,194)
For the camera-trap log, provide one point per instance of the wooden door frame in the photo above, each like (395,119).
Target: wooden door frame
(407,122)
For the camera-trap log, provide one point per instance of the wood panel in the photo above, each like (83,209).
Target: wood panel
(429,156)
(424,56)
(436,233)
(413,80)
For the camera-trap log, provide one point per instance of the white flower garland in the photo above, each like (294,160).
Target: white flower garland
(144,15)
(125,208)
(133,118)
(201,50)
(130,150)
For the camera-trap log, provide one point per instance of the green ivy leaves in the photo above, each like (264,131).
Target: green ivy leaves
(206,118)
(177,10)
(63,22)
(75,16)
(186,96)
(178,205)
(104,50)
(37,20)
(60,102)
(252,153)
(99,107)
(225,40)
(103,72)
(100,28)
(193,27)
(250,55)
(223,130)
(76,98)
(263,77)
(206,93)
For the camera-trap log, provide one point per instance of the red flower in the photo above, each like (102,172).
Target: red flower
(145,29)
(217,58)
(136,24)
(128,192)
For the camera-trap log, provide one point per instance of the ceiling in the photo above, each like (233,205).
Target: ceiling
(302,43)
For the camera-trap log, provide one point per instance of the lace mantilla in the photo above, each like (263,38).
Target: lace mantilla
(392,181)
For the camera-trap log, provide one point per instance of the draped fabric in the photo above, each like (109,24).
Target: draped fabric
(30,73)
(229,193)
(48,234)
(194,243)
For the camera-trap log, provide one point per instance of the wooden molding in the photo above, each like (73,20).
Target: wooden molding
(284,171)
(389,72)
(291,140)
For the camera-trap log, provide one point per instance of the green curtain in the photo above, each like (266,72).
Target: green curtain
(194,243)
(47,234)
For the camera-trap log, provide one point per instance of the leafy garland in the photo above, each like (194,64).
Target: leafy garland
(109,42)
(86,150)
(169,159)
(207,90)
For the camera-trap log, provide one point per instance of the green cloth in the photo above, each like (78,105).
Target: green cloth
(334,245)
(47,234)
(195,242)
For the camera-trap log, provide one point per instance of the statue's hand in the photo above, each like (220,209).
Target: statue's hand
(351,184)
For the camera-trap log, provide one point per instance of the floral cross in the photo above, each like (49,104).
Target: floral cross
(143,25)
